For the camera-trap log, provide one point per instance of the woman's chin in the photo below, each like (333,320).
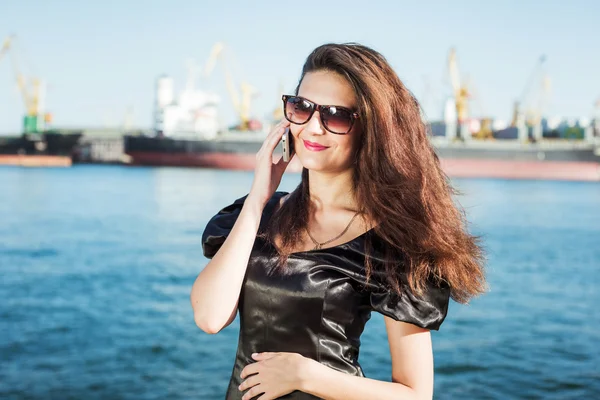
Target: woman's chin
(318,164)
(311,162)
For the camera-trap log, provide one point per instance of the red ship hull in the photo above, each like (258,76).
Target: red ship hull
(24,160)
(457,168)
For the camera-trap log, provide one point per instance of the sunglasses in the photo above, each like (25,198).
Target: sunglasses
(335,119)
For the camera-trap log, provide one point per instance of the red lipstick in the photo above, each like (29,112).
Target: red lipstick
(314,146)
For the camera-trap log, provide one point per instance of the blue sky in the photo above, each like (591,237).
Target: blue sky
(101,58)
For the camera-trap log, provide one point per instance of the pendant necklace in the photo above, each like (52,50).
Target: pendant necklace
(319,246)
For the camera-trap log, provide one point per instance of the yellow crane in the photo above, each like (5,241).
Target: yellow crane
(30,91)
(461,92)
(241,98)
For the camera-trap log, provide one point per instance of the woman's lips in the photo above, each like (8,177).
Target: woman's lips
(313,146)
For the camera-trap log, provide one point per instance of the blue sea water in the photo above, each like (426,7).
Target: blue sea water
(97,263)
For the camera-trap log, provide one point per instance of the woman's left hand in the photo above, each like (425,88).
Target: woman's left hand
(274,374)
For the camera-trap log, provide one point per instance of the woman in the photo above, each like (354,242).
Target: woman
(372,226)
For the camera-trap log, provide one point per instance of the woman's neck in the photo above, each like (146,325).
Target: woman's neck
(331,191)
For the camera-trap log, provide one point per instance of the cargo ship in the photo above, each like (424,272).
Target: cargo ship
(561,151)
(483,159)
(187,133)
(45,149)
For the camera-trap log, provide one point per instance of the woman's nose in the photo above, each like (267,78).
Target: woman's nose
(314,124)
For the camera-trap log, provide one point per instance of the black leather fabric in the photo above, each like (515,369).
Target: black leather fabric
(319,306)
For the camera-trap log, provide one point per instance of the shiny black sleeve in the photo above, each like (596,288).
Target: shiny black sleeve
(219,226)
(427,311)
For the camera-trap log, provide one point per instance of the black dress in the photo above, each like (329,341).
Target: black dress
(320,306)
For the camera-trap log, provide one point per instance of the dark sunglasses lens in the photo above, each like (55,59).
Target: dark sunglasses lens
(337,120)
(298,110)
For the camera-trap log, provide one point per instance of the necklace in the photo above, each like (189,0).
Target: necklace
(320,245)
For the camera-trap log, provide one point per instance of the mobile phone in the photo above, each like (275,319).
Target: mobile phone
(288,145)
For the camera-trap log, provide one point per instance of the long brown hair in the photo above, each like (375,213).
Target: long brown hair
(397,181)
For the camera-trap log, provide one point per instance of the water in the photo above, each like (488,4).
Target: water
(97,265)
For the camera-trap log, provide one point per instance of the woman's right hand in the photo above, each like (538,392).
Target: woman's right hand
(267,174)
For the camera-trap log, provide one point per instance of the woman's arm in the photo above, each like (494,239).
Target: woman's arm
(216,290)
(412,371)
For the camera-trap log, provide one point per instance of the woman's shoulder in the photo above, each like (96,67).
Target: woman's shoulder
(220,224)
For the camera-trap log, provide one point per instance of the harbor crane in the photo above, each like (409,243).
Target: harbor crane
(460,90)
(532,103)
(31,90)
(241,98)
